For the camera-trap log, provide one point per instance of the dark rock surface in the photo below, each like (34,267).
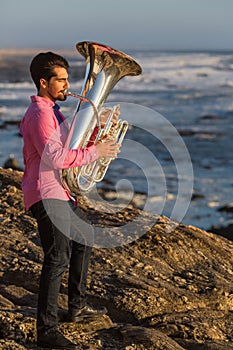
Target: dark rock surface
(169,290)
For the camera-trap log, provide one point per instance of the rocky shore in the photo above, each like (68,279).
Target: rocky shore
(168,290)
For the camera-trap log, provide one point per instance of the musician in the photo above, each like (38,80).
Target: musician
(44,157)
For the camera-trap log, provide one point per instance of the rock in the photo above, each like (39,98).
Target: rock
(225,231)
(186,132)
(196,196)
(228,208)
(211,117)
(171,288)
(12,163)
(10,345)
(18,295)
(5,303)
(149,337)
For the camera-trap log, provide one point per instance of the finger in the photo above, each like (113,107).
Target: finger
(112,141)
(116,112)
(118,107)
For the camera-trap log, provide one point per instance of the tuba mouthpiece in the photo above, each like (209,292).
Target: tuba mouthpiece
(66,92)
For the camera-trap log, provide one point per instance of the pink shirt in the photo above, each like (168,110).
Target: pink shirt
(44,152)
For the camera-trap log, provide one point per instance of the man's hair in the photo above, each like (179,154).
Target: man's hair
(43,64)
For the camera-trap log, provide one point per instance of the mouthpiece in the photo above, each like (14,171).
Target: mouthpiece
(66,92)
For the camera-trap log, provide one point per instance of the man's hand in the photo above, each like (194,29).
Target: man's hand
(104,114)
(108,149)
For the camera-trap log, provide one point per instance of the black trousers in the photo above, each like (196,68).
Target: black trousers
(63,245)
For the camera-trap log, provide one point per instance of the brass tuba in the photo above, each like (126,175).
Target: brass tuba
(105,66)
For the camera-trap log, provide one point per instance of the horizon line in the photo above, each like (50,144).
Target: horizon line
(32,50)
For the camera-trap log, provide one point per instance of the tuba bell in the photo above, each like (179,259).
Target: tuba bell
(105,66)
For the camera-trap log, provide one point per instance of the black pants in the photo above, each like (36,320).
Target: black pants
(63,245)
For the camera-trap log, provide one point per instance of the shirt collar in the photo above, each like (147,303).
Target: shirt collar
(45,101)
(56,107)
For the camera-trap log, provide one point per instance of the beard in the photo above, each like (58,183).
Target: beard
(61,97)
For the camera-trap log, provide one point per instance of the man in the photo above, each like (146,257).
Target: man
(44,132)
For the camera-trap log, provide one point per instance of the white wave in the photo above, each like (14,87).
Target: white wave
(16,86)
(8,113)
(8,96)
(183,71)
(228,83)
(3,110)
(174,61)
(76,63)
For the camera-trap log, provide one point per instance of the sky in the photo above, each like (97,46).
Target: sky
(129,24)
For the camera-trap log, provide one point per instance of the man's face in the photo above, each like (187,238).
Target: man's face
(54,88)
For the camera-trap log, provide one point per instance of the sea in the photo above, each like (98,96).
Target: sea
(183,95)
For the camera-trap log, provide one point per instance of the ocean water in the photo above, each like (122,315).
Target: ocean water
(192,91)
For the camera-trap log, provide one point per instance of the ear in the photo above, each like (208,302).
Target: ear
(43,83)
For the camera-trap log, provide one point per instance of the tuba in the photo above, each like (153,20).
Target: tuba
(105,66)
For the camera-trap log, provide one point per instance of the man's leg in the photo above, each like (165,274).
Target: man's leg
(78,272)
(83,240)
(57,250)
